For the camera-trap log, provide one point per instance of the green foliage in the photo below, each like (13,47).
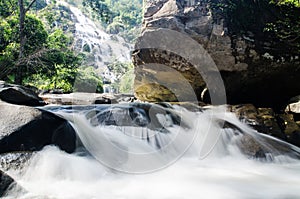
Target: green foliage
(57,17)
(36,38)
(60,65)
(36,35)
(100,8)
(286,28)
(87,80)
(58,40)
(120,17)
(8,7)
(126,82)
(61,77)
(119,68)
(48,61)
(295,3)
(277,22)
(124,75)
(5,34)
(127,18)
(116,26)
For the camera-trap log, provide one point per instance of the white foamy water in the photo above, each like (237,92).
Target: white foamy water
(103,47)
(212,167)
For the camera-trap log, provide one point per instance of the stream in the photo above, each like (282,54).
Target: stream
(147,151)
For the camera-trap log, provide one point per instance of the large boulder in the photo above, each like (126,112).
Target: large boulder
(255,69)
(21,95)
(28,129)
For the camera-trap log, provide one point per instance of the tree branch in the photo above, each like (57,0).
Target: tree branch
(30,5)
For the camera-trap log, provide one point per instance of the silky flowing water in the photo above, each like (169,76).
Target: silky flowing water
(117,159)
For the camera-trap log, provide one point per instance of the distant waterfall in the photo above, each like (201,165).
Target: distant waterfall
(101,46)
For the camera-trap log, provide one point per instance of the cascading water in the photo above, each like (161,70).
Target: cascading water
(177,153)
(93,39)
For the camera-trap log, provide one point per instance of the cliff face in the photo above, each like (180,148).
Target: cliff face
(186,44)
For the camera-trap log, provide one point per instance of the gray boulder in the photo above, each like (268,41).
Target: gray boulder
(17,94)
(29,129)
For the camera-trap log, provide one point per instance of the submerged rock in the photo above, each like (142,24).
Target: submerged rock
(250,147)
(17,94)
(151,116)
(29,129)
(266,121)
(260,146)
(5,183)
(263,120)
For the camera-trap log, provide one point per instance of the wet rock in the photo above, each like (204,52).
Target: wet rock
(151,116)
(250,147)
(81,98)
(104,100)
(15,160)
(290,128)
(246,113)
(21,95)
(294,138)
(270,123)
(29,129)
(260,146)
(135,115)
(263,120)
(5,183)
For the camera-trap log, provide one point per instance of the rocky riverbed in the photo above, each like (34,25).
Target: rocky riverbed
(26,129)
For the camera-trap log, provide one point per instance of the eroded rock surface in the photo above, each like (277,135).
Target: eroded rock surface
(251,72)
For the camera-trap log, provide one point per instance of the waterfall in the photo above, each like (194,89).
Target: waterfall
(92,39)
(146,151)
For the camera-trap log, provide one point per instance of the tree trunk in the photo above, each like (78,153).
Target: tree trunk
(22,37)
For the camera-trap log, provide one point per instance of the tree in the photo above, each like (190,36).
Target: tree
(58,67)
(22,36)
(10,44)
